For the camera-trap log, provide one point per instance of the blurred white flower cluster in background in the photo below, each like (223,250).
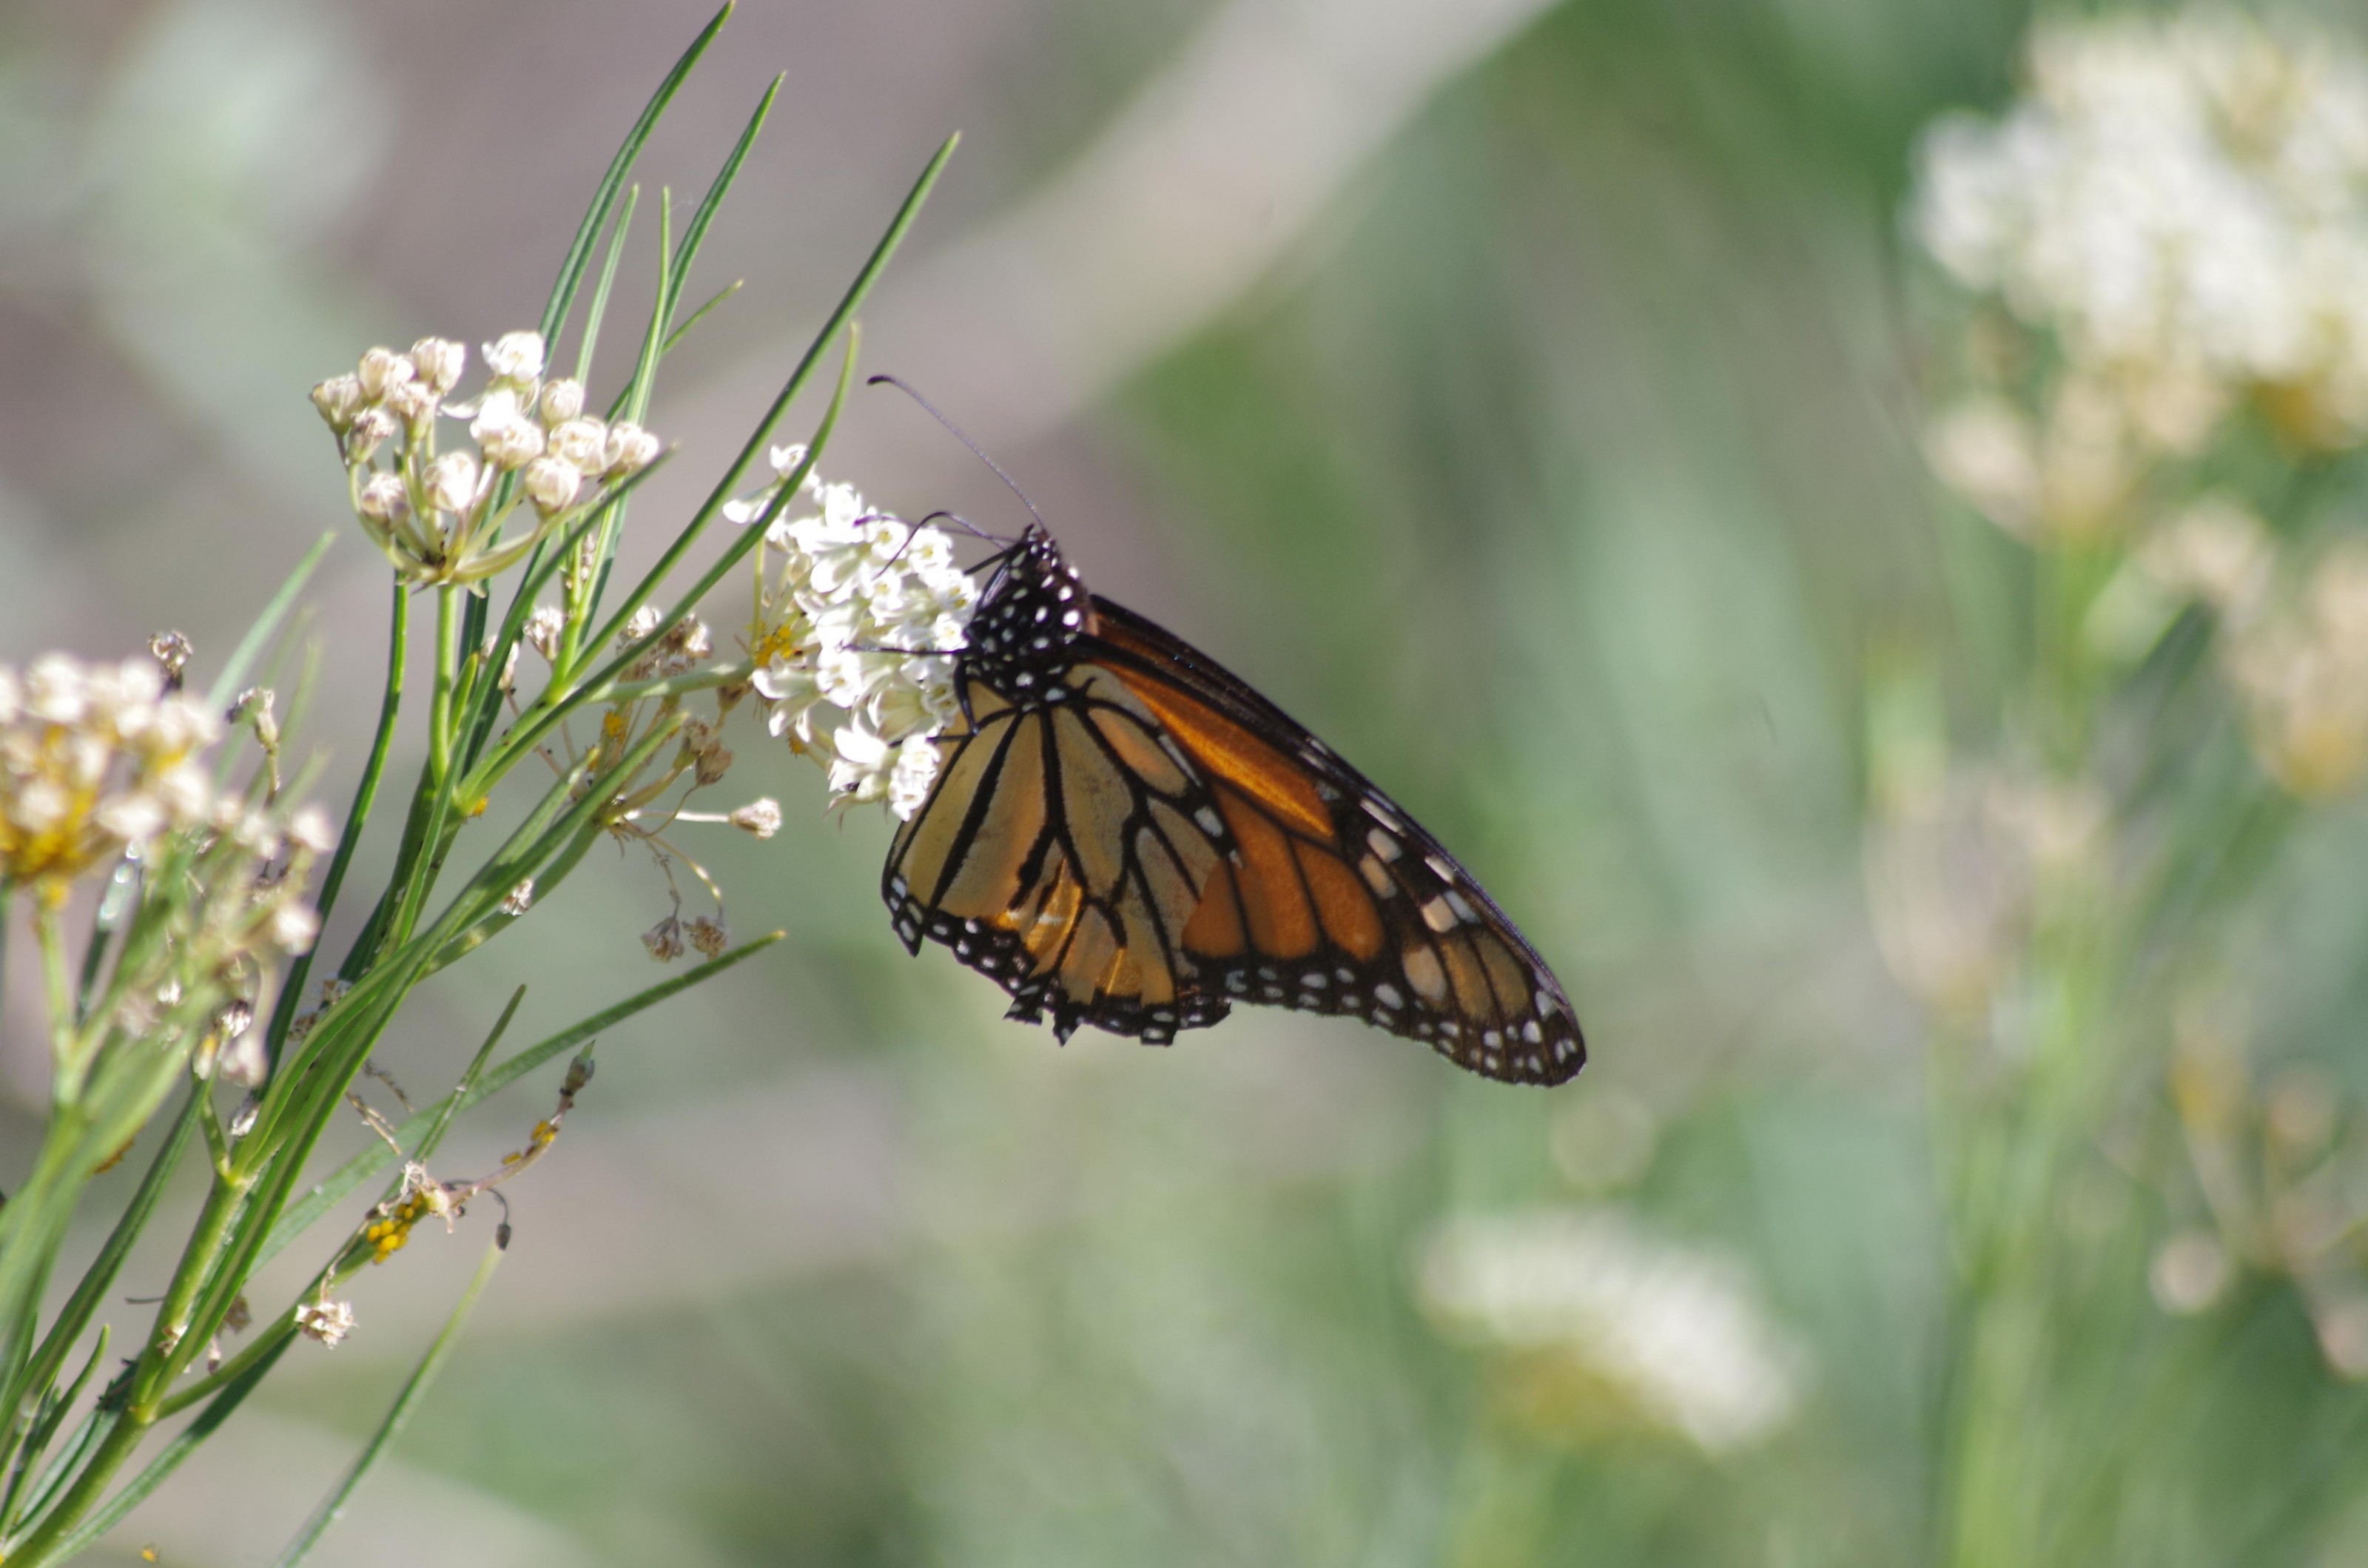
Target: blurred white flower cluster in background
(857,613)
(2183,200)
(1604,1327)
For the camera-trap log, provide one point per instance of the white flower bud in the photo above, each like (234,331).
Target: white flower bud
(515,356)
(582,442)
(338,399)
(383,369)
(371,430)
(509,438)
(414,402)
(562,400)
(310,829)
(543,629)
(134,818)
(630,449)
(761,817)
(552,483)
(451,482)
(384,499)
(240,1060)
(519,899)
(293,927)
(439,362)
(642,621)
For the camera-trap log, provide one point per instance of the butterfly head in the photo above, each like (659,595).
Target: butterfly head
(1035,609)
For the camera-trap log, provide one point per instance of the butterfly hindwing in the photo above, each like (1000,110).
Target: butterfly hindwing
(1123,834)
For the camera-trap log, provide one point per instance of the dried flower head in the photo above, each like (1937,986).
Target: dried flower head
(326,1321)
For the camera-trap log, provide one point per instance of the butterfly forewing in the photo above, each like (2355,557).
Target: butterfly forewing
(1124,835)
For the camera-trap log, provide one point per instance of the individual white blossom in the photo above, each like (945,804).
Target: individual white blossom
(545,627)
(451,481)
(552,484)
(438,363)
(1675,1332)
(630,450)
(562,400)
(515,356)
(309,827)
(581,442)
(503,432)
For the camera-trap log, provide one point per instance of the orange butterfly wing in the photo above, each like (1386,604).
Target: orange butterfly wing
(1155,840)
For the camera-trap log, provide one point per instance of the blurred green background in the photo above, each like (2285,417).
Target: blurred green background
(1521,394)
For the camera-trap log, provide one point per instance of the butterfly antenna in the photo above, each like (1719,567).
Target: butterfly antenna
(963,522)
(974,449)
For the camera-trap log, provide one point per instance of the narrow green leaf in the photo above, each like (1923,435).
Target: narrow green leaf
(92,1288)
(259,636)
(339,1183)
(599,307)
(675,337)
(849,303)
(185,1443)
(397,1413)
(439,1121)
(604,197)
(291,996)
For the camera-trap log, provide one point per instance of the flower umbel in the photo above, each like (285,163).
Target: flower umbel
(448,518)
(856,620)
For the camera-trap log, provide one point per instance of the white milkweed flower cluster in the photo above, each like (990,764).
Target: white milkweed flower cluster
(94,760)
(2182,201)
(442,518)
(858,613)
(1674,1334)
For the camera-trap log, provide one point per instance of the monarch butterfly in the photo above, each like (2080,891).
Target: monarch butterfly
(1123,834)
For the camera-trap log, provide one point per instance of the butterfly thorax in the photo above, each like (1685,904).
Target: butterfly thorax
(1035,609)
